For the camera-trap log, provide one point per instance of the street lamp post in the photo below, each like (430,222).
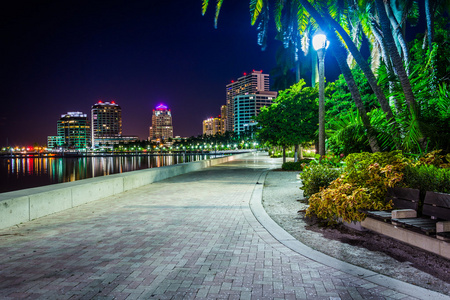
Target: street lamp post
(320,44)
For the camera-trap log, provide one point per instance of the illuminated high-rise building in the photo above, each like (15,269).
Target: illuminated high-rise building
(223,115)
(212,126)
(106,118)
(73,132)
(248,106)
(251,83)
(161,129)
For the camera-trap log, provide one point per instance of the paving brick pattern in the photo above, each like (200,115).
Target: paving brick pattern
(188,237)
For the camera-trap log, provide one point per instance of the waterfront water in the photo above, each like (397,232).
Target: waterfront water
(25,172)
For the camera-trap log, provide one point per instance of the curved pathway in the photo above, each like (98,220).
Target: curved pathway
(191,236)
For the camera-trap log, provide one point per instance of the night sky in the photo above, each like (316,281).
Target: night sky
(59,56)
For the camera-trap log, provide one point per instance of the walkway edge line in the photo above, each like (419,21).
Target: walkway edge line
(292,243)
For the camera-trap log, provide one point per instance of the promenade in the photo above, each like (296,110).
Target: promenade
(202,235)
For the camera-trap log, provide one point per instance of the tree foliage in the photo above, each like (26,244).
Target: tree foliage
(291,119)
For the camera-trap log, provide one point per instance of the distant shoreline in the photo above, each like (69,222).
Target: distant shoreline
(112,153)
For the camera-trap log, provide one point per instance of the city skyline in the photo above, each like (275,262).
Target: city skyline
(64,56)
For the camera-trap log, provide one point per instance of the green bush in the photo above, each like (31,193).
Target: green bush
(295,166)
(428,178)
(366,177)
(361,187)
(315,177)
(332,160)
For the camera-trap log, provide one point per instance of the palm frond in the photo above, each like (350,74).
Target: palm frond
(305,43)
(256,7)
(204,6)
(218,6)
(279,5)
(263,26)
(412,136)
(375,56)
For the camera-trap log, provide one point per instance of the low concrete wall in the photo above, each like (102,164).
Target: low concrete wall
(25,205)
(410,237)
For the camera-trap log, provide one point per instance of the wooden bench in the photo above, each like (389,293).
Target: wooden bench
(436,208)
(403,199)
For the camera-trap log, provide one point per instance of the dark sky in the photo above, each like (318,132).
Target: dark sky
(59,56)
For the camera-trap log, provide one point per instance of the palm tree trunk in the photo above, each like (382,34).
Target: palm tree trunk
(378,36)
(398,65)
(395,57)
(365,67)
(398,33)
(340,56)
(430,24)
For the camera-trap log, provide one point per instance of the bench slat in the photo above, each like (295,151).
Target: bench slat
(437,199)
(436,211)
(404,198)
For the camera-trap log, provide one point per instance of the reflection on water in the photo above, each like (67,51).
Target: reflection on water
(21,173)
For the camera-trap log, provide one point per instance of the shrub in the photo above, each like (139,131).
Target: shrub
(295,166)
(343,200)
(331,160)
(428,178)
(317,176)
(362,186)
(435,159)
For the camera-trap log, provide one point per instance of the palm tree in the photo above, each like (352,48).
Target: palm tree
(305,8)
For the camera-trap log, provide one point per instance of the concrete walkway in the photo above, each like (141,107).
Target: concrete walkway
(191,236)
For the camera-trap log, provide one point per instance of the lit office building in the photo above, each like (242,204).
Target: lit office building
(73,132)
(213,126)
(161,129)
(106,118)
(248,106)
(247,84)
(223,115)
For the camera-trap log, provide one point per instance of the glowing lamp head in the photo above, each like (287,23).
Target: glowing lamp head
(320,41)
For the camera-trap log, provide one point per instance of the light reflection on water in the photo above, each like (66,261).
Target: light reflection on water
(21,173)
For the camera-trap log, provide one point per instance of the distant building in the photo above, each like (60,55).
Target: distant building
(248,106)
(247,84)
(73,132)
(223,114)
(106,125)
(212,126)
(161,129)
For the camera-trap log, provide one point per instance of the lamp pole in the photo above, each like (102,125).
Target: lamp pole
(320,44)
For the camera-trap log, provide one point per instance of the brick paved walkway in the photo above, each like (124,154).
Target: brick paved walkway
(191,236)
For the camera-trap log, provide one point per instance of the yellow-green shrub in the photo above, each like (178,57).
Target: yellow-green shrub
(362,186)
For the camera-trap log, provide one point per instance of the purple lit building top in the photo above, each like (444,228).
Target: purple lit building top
(162,107)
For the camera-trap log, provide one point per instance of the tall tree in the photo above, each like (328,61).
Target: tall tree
(291,119)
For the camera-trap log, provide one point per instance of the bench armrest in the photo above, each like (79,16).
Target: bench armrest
(404,213)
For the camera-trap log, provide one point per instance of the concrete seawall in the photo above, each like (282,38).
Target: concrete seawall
(25,205)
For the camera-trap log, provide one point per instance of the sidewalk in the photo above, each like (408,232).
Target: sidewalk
(191,236)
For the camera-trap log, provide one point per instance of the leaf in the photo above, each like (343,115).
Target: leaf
(204,6)
(255,9)
(218,7)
